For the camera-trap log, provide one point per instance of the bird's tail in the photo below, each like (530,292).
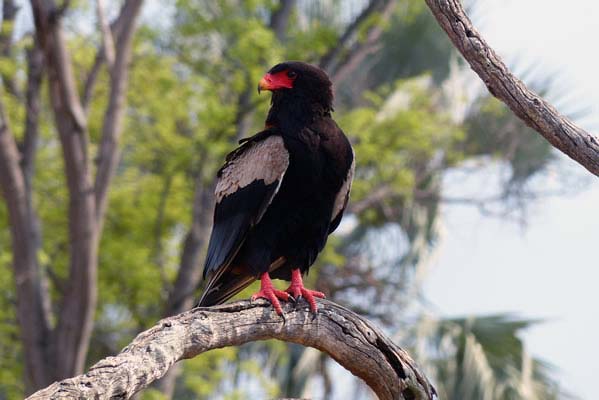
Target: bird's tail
(226,284)
(222,288)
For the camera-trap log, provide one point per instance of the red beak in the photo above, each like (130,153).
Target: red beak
(271,82)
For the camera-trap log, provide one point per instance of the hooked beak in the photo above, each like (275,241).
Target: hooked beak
(265,83)
(276,81)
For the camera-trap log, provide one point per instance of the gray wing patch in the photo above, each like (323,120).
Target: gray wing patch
(246,186)
(265,160)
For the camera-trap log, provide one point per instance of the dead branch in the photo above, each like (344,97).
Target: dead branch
(578,144)
(352,341)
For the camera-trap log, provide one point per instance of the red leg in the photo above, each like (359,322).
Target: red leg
(268,292)
(297,289)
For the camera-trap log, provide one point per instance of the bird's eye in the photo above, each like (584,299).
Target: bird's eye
(291,74)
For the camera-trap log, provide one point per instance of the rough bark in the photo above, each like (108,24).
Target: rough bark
(352,341)
(581,146)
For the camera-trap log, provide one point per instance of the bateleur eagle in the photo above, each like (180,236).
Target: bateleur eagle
(281,192)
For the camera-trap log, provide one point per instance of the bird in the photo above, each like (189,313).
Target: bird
(281,193)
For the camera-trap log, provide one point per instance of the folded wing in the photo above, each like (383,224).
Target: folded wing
(246,185)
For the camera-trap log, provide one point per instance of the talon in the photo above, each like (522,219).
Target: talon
(297,290)
(268,292)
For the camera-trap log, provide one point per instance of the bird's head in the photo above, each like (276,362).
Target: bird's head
(294,81)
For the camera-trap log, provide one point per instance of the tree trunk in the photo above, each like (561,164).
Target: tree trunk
(65,347)
(79,300)
(32,301)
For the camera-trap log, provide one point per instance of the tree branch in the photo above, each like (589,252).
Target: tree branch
(91,79)
(116,28)
(362,49)
(374,197)
(340,61)
(35,71)
(109,153)
(578,144)
(327,61)
(352,341)
(107,39)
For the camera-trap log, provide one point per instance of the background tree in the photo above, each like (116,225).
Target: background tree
(55,345)
(154,134)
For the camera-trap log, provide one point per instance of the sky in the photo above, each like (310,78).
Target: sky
(548,268)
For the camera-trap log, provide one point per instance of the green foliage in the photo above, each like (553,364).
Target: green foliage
(190,85)
(396,137)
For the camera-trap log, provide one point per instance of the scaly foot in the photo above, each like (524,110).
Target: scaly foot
(297,289)
(268,292)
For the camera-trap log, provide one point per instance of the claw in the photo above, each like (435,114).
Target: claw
(268,292)
(297,290)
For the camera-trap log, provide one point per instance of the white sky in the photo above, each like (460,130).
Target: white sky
(549,269)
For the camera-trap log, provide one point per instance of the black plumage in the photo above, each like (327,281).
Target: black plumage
(281,193)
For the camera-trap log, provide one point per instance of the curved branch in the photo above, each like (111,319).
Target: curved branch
(354,342)
(328,60)
(578,144)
